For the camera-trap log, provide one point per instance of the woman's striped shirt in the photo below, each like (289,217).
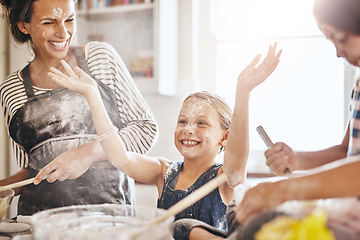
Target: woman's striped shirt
(140,131)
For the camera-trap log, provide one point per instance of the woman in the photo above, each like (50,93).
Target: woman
(339,22)
(51,128)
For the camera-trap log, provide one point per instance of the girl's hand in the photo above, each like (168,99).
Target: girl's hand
(76,80)
(252,76)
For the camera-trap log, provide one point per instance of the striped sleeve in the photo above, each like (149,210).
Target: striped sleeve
(141,131)
(13,96)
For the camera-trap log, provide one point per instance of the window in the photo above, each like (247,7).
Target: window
(304,100)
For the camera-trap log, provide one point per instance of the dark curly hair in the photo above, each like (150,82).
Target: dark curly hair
(18,11)
(341,14)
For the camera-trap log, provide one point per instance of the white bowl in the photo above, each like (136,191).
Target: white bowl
(104,221)
(5,200)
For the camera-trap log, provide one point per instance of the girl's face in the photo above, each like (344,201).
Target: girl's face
(347,45)
(198,134)
(52,27)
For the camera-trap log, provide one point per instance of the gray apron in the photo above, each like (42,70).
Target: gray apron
(57,121)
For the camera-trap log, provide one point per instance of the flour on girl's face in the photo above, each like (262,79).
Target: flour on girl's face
(194,107)
(195,110)
(198,131)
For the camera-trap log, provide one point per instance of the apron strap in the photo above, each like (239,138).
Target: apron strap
(175,175)
(27,81)
(79,54)
(81,60)
(26,73)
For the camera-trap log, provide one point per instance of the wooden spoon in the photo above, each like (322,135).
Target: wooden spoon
(184,203)
(17,184)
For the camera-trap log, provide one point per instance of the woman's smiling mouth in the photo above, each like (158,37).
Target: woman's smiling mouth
(61,44)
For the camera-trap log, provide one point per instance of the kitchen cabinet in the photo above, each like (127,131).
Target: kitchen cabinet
(145,36)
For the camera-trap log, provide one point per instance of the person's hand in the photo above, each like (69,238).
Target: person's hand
(343,211)
(279,158)
(76,80)
(257,199)
(69,165)
(253,75)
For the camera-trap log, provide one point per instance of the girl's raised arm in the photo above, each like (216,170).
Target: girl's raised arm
(142,168)
(237,147)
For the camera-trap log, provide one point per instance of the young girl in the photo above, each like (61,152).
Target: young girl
(202,131)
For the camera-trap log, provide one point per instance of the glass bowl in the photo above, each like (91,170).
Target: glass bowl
(5,200)
(104,221)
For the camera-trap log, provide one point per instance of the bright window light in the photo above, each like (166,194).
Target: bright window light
(302,103)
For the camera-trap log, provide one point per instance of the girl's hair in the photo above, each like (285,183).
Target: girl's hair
(341,14)
(18,11)
(217,102)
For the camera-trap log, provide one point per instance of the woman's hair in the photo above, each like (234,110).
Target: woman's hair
(18,11)
(341,14)
(217,102)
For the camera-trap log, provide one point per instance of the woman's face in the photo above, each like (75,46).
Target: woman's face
(198,134)
(347,45)
(52,27)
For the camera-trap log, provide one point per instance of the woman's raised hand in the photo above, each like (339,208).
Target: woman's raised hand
(76,80)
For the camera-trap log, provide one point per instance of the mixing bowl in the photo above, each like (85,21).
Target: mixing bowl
(5,200)
(105,221)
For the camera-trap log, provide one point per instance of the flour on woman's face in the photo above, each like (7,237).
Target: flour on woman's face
(51,28)
(58,12)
